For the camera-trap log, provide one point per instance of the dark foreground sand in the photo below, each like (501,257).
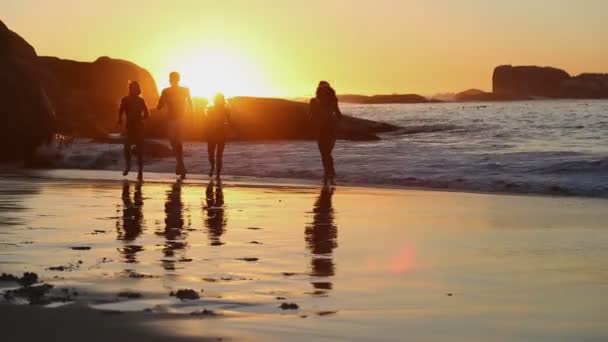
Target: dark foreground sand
(298,263)
(72,323)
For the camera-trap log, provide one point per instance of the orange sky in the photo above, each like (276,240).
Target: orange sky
(284,47)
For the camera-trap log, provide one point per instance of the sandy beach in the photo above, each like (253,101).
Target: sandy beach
(297,261)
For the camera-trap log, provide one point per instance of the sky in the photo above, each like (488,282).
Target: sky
(284,47)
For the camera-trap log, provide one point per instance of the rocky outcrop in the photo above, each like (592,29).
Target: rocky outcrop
(529,81)
(547,82)
(594,86)
(27,114)
(276,119)
(86,95)
(13,46)
(474,95)
(383,99)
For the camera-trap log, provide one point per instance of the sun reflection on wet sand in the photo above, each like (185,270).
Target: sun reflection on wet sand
(400,256)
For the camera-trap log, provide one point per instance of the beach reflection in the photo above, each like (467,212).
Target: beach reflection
(216,219)
(129,226)
(175,236)
(321,239)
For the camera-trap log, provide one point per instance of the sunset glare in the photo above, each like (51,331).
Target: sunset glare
(282,48)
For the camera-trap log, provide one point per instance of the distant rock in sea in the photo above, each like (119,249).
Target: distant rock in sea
(382,99)
(546,82)
(474,95)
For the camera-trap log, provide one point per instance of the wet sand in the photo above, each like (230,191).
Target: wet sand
(358,263)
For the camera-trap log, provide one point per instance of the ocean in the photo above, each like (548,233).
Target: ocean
(557,147)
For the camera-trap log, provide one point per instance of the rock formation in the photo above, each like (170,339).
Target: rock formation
(27,114)
(381,99)
(547,82)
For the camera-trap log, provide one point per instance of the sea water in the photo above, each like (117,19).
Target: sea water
(537,147)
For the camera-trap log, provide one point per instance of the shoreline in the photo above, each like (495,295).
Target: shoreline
(251,181)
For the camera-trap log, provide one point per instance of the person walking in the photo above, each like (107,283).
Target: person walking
(135,109)
(177,101)
(218,118)
(325,115)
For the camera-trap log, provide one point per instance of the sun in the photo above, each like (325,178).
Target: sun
(211,69)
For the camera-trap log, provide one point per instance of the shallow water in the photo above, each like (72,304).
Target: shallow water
(360,263)
(542,147)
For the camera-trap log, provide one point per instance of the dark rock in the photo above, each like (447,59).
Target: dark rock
(27,114)
(326,313)
(382,99)
(249,259)
(590,86)
(474,95)
(13,46)
(203,312)
(8,277)
(276,119)
(288,274)
(35,295)
(185,294)
(86,95)
(130,295)
(528,81)
(289,306)
(28,279)
(81,248)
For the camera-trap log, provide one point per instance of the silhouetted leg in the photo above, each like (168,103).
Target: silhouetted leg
(220,156)
(322,149)
(178,150)
(127,151)
(140,159)
(211,155)
(330,159)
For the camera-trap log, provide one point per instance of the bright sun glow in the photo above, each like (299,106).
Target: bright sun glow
(209,70)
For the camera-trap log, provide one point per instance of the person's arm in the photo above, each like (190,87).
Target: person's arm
(121,110)
(337,111)
(229,117)
(189,106)
(145,109)
(312,107)
(161,101)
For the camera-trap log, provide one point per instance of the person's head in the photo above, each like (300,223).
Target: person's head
(325,93)
(134,88)
(174,78)
(219,100)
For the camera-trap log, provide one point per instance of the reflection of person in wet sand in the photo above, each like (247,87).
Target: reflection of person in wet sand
(321,238)
(132,219)
(174,224)
(214,206)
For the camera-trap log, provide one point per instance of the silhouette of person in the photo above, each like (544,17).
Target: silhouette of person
(177,100)
(321,238)
(325,114)
(132,220)
(174,224)
(216,220)
(218,117)
(136,111)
